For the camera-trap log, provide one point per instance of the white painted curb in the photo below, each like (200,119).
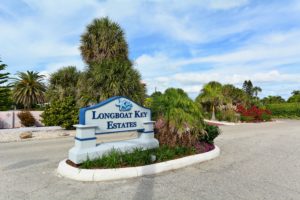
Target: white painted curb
(130,172)
(222,122)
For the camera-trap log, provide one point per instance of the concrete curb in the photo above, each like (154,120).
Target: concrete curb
(221,122)
(74,173)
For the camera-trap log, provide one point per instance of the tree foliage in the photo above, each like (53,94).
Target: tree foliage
(29,89)
(295,98)
(234,95)
(179,119)
(110,78)
(251,90)
(5,100)
(109,71)
(211,96)
(103,40)
(63,83)
(177,109)
(272,100)
(62,113)
(248,87)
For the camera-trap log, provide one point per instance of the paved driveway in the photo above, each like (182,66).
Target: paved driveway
(258,161)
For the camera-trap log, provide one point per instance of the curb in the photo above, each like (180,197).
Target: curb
(74,173)
(221,122)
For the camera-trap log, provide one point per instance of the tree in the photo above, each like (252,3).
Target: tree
(63,83)
(272,100)
(256,90)
(248,87)
(109,72)
(296,92)
(103,40)
(29,89)
(110,78)
(5,101)
(235,95)
(212,95)
(295,97)
(252,92)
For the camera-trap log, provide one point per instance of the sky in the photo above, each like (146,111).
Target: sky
(172,43)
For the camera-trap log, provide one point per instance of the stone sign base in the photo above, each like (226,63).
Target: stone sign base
(144,141)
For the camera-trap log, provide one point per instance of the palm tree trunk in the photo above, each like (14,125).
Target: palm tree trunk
(213,116)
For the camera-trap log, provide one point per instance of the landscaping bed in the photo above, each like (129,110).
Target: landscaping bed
(140,157)
(80,174)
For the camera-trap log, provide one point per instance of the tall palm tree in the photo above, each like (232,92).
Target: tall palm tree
(103,39)
(256,90)
(29,89)
(212,95)
(110,78)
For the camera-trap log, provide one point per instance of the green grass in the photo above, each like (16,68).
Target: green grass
(138,157)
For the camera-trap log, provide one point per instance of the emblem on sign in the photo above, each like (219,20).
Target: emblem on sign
(124,105)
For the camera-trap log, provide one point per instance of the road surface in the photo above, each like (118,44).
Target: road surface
(257,161)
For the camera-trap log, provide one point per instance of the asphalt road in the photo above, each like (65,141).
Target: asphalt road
(258,161)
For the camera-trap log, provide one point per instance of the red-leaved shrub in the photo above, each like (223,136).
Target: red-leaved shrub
(253,114)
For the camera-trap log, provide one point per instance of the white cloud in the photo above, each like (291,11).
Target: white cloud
(48,35)
(228,4)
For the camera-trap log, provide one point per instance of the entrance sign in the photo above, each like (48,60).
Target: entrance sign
(117,114)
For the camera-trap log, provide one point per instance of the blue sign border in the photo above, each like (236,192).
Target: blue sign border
(83,110)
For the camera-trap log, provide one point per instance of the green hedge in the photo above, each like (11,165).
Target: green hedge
(285,110)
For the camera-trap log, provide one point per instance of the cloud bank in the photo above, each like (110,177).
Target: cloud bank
(172,43)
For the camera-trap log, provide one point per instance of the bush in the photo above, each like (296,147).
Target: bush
(247,118)
(116,158)
(211,133)
(179,119)
(228,115)
(285,110)
(26,118)
(169,136)
(62,113)
(253,114)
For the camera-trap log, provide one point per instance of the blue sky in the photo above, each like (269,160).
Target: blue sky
(172,43)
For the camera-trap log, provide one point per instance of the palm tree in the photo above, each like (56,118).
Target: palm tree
(103,39)
(63,83)
(256,90)
(29,89)
(212,95)
(110,78)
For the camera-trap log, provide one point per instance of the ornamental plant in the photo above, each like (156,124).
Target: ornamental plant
(62,113)
(178,118)
(26,118)
(253,114)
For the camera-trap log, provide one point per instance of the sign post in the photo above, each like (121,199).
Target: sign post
(115,115)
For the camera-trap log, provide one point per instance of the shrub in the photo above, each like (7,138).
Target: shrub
(247,118)
(62,113)
(168,135)
(285,110)
(179,119)
(227,115)
(137,157)
(253,114)
(211,133)
(26,118)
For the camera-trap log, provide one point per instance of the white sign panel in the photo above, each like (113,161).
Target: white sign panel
(116,114)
